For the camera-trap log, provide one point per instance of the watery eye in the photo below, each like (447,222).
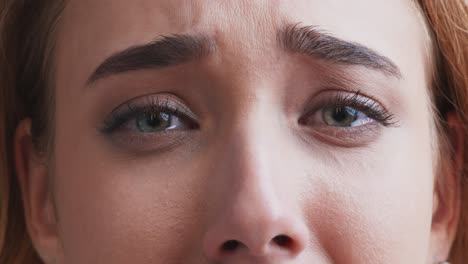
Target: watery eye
(154,122)
(344,116)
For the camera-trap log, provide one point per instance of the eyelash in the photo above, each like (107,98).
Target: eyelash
(356,100)
(132,110)
(152,104)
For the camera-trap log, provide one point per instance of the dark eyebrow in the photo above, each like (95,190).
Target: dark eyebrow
(164,52)
(180,48)
(311,41)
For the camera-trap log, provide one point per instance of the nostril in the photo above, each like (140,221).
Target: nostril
(230,245)
(283,241)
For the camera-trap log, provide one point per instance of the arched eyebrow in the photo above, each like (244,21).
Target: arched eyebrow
(182,48)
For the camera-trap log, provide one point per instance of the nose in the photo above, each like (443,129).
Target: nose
(257,216)
(253,236)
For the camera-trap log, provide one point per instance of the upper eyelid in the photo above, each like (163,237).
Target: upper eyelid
(352,99)
(334,90)
(129,109)
(356,99)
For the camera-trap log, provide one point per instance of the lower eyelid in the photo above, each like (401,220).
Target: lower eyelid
(348,136)
(151,142)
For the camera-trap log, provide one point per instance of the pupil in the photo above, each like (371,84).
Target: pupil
(150,122)
(153,120)
(340,114)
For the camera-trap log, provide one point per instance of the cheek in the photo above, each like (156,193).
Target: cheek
(132,210)
(374,205)
(362,205)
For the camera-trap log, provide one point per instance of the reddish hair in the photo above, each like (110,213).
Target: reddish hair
(26,44)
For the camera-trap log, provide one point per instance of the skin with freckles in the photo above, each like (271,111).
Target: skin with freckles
(243,147)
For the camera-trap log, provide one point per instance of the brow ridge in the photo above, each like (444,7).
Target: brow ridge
(312,41)
(164,52)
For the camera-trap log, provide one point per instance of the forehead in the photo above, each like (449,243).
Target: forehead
(92,30)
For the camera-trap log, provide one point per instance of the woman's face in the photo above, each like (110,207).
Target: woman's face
(243,132)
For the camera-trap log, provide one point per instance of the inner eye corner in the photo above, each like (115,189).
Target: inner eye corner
(301,121)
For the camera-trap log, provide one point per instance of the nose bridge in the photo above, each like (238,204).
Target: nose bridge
(254,216)
(253,192)
(248,163)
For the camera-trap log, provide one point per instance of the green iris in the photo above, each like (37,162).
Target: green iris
(340,116)
(153,122)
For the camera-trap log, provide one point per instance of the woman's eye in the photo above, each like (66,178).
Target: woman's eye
(149,116)
(339,111)
(150,123)
(344,116)
(346,119)
(154,122)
